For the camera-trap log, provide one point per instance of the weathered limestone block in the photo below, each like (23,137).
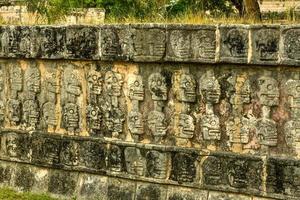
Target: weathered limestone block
(82,42)
(283,177)
(234,43)
(234,173)
(51,41)
(92,187)
(149,42)
(135,162)
(121,189)
(150,192)
(289,47)
(191,43)
(265,44)
(116,158)
(177,193)
(226,196)
(116,43)
(156,164)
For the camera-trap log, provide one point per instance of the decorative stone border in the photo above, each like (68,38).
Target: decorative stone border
(240,44)
(228,172)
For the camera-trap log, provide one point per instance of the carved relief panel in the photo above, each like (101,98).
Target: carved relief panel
(156,164)
(2,96)
(158,87)
(183,168)
(135,162)
(291,45)
(70,153)
(116,158)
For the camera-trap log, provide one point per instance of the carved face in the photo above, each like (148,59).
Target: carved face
(158,87)
(115,159)
(95,82)
(31,113)
(186,126)
(136,87)
(236,43)
(49,113)
(114,120)
(72,82)
(51,151)
(113,83)
(135,123)
(14,110)
(268,92)
(94,117)
(206,45)
(211,128)
(70,153)
(181,44)
(239,91)
(12,145)
(292,132)
(212,170)
(267,132)
(33,79)
(210,88)
(184,169)
(292,44)
(71,116)
(267,44)
(135,163)
(293,91)
(110,45)
(15,78)
(237,175)
(187,88)
(156,164)
(51,84)
(157,124)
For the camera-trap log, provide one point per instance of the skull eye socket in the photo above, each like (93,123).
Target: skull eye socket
(136,83)
(94,77)
(159,83)
(298,88)
(270,87)
(94,113)
(115,79)
(71,111)
(187,84)
(213,122)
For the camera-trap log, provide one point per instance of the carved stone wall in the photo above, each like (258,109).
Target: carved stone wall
(151,111)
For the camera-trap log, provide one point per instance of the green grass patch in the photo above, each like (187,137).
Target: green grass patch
(9,194)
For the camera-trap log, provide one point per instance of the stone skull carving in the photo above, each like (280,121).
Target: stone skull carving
(136,87)
(32,79)
(181,44)
(239,92)
(95,82)
(158,87)
(183,168)
(94,117)
(31,113)
(236,42)
(71,116)
(292,44)
(16,78)
(51,86)
(213,172)
(186,126)
(114,120)
(187,88)
(135,123)
(293,91)
(237,174)
(210,88)
(135,163)
(12,142)
(113,83)
(14,111)
(157,124)
(238,130)
(115,159)
(267,44)
(72,84)
(49,113)
(292,132)
(156,164)
(210,127)
(267,132)
(268,91)
(70,153)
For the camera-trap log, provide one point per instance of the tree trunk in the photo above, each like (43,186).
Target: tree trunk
(251,9)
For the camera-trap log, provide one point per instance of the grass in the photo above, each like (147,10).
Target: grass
(9,194)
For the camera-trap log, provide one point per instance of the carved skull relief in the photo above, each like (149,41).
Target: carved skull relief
(71,117)
(187,88)
(210,127)
(157,124)
(16,78)
(292,132)
(267,44)
(156,164)
(158,87)
(32,79)
(266,131)
(136,87)
(186,126)
(31,113)
(212,168)
(181,44)
(95,82)
(236,41)
(268,91)
(183,168)
(14,111)
(237,173)
(72,84)
(239,92)
(94,117)
(113,83)
(49,113)
(292,88)
(114,120)
(210,88)
(135,123)
(70,153)
(12,144)
(115,159)
(135,163)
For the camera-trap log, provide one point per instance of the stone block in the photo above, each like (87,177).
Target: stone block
(92,187)
(179,193)
(283,177)
(157,163)
(7,171)
(232,172)
(19,42)
(290,45)
(116,158)
(121,189)
(82,42)
(24,178)
(149,42)
(226,196)
(70,153)
(62,183)
(150,192)
(184,167)
(234,43)
(51,42)
(191,43)
(265,44)
(115,43)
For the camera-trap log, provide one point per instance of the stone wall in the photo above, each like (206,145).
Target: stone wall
(151,111)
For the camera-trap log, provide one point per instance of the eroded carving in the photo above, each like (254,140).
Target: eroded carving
(187,88)
(237,174)
(186,126)
(268,91)
(266,131)
(183,168)
(113,82)
(292,44)
(267,44)
(136,123)
(210,88)
(237,43)
(212,171)
(115,159)
(69,154)
(136,87)
(158,87)
(210,125)
(156,165)
(71,117)
(157,124)
(135,163)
